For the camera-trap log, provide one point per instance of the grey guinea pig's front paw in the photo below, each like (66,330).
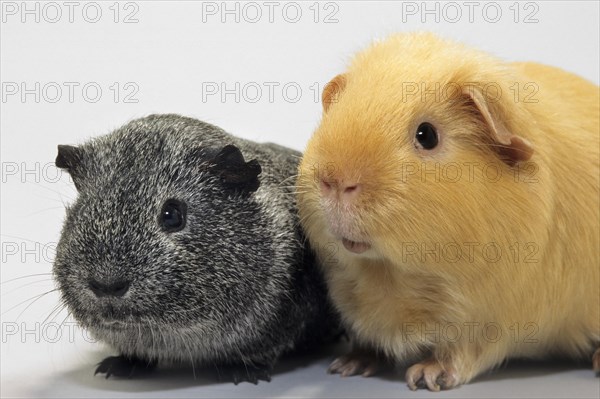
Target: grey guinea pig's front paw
(124,367)
(245,372)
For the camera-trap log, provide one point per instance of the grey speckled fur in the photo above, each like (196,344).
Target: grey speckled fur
(236,286)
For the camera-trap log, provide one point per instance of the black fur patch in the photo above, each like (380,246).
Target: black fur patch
(233,170)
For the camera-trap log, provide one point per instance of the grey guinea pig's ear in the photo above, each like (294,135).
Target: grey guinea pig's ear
(69,158)
(233,170)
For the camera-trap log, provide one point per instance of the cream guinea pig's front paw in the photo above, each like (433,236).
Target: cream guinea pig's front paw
(354,364)
(433,375)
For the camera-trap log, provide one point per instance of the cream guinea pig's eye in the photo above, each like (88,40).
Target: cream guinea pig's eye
(172,216)
(427,136)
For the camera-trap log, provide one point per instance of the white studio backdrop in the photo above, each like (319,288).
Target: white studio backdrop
(76,69)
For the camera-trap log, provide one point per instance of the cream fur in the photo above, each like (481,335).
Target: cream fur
(390,300)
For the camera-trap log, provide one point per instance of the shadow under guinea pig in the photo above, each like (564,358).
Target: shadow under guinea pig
(524,368)
(170,378)
(304,375)
(514,369)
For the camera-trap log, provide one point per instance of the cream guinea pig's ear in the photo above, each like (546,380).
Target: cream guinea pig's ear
(332,90)
(511,147)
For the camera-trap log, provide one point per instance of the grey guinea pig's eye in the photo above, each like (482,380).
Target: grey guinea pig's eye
(427,136)
(172,216)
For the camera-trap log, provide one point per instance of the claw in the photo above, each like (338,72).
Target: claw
(249,373)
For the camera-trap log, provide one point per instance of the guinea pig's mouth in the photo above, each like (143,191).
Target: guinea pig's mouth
(355,246)
(121,321)
(110,316)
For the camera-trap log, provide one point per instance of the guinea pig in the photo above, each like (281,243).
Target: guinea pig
(461,195)
(179,249)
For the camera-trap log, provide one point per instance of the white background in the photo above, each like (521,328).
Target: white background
(169,55)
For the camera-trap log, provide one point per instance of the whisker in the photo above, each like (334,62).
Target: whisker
(25,285)
(54,191)
(43,210)
(52,199)
(27,307)
(288,178)
(60,311)
(34,299)
(28,276)
(58,308)
(64,320)
(22,238)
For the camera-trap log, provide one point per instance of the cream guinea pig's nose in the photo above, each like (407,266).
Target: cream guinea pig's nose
(346,192)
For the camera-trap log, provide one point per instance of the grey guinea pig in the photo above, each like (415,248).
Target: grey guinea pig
(178,250)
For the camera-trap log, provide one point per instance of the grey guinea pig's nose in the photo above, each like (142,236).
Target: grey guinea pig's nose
(117,288)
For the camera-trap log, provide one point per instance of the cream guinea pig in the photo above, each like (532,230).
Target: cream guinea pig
(454,202)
